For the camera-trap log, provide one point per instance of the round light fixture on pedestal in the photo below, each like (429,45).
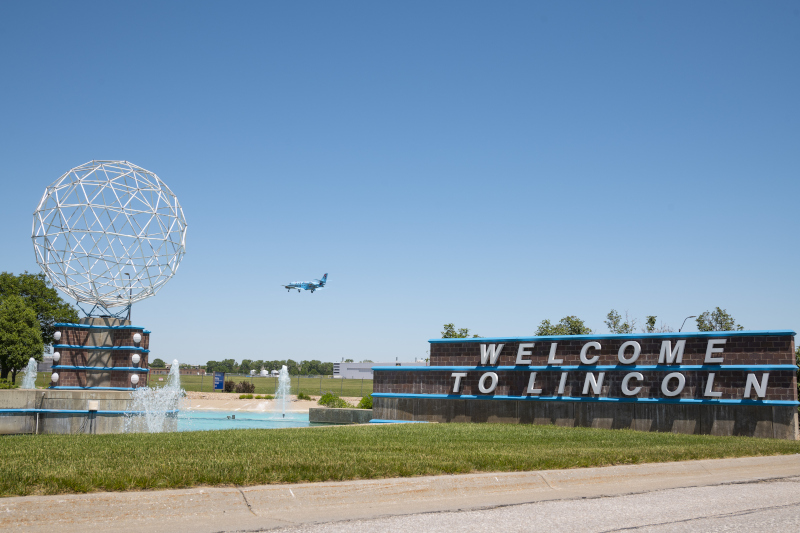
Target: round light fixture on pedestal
(57,335)
(136,359)
(54,377)
(137,338)
(134,379)
(56,357)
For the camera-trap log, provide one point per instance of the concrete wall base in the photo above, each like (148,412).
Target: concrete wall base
(64,400)
(773,422)
(327,415)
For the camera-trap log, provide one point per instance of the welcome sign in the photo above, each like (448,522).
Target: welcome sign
(738,369)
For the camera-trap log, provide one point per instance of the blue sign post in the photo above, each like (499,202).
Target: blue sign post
(219,380)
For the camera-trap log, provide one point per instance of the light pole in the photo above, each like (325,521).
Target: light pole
(684,322)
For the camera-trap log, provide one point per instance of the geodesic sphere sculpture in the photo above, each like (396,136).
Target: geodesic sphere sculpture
(109,233)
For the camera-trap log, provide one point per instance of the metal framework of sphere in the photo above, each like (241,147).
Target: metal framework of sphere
(109,233)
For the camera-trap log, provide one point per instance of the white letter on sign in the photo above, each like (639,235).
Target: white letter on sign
(761,390)
(458,376)
(668,355)
(593,360)
(597,385)
(532,384)
(562,383)
(631,392)
(712,349)
(524,351)
(490,354)
(681,383)
(551,359)
(490,388)
(637,349)
(710,387)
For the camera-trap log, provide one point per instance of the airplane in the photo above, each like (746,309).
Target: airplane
(312,286)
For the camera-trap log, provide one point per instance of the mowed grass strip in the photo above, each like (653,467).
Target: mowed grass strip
(55,464)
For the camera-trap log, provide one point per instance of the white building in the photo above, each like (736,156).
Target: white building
(364,370)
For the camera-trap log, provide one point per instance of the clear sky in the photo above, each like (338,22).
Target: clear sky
(490,164)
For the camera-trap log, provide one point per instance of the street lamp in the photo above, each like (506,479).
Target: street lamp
(684,322)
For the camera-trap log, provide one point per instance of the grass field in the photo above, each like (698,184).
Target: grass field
(308,385)
(55,464)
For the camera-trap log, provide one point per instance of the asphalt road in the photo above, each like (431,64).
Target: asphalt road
(755,506)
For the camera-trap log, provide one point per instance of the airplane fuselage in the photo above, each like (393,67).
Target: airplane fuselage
(307,285)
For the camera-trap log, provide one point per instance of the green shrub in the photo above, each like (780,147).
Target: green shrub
(330,399)
(264,397)
(246,387)
(366,402)
(245,396)
(6,384)
(303,396)
(229,386)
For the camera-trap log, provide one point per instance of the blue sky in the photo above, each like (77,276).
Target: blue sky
(490,164)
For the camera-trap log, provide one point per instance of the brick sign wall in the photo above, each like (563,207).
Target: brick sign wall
(741,383)
(99,353)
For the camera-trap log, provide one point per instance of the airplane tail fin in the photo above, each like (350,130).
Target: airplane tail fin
(324,278)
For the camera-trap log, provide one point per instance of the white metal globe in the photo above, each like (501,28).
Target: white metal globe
(109,233)
(134,379)
(56,356)
(135,358)
(57,335)
(54,377)
(137,338)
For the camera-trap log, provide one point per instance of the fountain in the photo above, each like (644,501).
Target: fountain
(283,390)
(29,381)
(155,410)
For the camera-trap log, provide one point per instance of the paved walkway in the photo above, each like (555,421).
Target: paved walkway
(726,494)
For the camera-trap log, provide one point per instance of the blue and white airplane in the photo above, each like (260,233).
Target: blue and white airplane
(312,286)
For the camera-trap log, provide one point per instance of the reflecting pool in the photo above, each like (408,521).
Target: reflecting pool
(206,420)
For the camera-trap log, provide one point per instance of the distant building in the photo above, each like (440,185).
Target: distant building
(184,371)
(364,370)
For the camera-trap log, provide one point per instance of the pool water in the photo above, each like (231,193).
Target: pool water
(210,420)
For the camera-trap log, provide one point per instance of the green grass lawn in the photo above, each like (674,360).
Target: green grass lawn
(311,386)
(55,464)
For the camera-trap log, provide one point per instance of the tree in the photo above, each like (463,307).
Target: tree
(569,325)
(367,361)
(20,336)
(450,332)
(616,325)
(48,306)
(159,363)
(717,320)
(650,326)
(246,366)
(347,361)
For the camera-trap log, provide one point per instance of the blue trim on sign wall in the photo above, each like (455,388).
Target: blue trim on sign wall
(105,348)
(91,326)
(75,411)
(587,368)
(102,368)
(631,336)
(583,399)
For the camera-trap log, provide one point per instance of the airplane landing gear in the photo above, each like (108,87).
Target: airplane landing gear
(298,290)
